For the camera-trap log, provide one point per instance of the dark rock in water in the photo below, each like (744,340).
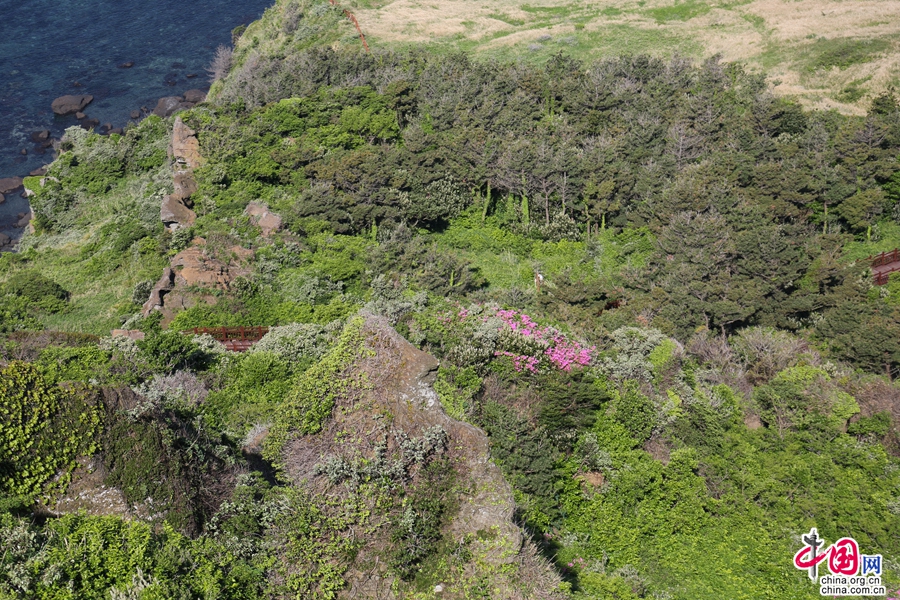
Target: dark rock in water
(191,75)
(40,136)
(23,152)
(135,114)
(171,79)
(47,143)
(2,198)
(4,239)
(117,131)
(66,105)
(167,105)
(194,96)
(10,184)
(126,65)
(177,65)
(39,150)
(80,115)
(90,123)
(38,172)
(107,126)
(76,84)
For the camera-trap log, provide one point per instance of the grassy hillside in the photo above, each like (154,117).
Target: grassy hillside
(828,54)
(638,285)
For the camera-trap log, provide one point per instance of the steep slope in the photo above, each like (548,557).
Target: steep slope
(389,430)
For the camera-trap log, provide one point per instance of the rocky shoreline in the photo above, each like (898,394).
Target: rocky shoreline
(12,226)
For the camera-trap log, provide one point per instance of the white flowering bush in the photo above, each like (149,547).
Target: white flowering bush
(119,345)
(295,342)
(180,389)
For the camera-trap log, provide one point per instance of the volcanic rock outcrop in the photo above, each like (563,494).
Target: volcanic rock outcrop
(66,105)
(184,152)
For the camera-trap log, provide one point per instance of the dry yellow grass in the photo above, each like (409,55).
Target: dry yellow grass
(788,40)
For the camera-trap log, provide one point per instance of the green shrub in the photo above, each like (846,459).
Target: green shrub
(456,387)
(169,351)
(877,425)
(314,393)
(43,428)
(634,411)
(41,292)
(82,363)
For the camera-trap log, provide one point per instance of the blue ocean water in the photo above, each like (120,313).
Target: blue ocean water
(49,48)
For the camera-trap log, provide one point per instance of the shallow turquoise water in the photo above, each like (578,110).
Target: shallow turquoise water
(52,48)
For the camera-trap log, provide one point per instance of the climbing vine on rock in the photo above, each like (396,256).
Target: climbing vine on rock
(43,428)
(313,395)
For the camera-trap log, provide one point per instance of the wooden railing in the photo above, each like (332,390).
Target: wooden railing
(885,258)
(236,339)
(883,277)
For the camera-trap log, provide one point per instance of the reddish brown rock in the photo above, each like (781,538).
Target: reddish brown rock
(195,267)
(165,285)
(80,115)
(174,214)
(134,334)
(260,215)
(185,186)
(184,148)
(66,105)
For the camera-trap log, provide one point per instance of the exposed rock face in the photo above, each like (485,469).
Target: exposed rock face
(185,186)
(194,96)
(175,214)
(165,285)
(399,402)
(10,184)
(184,151)
(269,222)
(184,148)
(66,105)
(195,267)
(133,334)
(167,105)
